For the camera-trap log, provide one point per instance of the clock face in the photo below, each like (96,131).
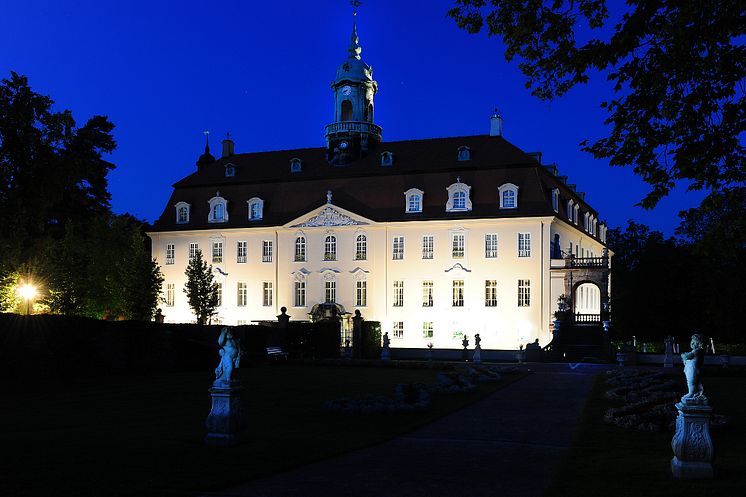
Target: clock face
(343,145)
(346,90)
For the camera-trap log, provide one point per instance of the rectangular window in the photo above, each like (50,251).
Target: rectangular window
(330,291)
(524,293)
(193,248)
(330,248)
(361,247)
(524,244)
(361,293)
(490,245)
(490,293)
(241,297)
(398,293)
(300,249)
(427,329)
(267,293)
(267,251)
(241,322)
(300,294)
(398,253)
(427,247)
(458,246)
(217,251)
(219,287)
(458,293)
(241,249)
(398,331)
(170,292)
(170,253)
(427,294)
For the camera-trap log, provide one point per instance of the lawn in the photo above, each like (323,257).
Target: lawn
(143,435)
(609,461)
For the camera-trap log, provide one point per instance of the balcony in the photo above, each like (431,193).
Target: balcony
(586,318)
(572,262)
(354,127)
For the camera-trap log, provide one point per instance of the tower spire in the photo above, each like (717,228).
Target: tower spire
(207,141)
(354,48)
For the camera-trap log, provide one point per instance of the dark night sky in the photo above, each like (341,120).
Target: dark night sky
(165,71)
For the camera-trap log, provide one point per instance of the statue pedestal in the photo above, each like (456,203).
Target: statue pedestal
(226,424)
(692,444)
(385,353)
(477,355)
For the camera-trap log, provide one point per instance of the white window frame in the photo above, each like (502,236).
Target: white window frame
(387,159)
(330,247)
(299,290)
(242,291)
(193,248)
(267,251)
(398,293)
(555,199)
(217,251)
(524,293)
(490,245)
(267,293)
(300,249)
(397,248)
(361,247)
(427,330)
(463,153)
(242,249)
(256,209)
(427,293)
(490,293)
(219,291)
(217,202)
(570,209)
(413,199)
(397,330)
(184,205)
(458,245)
(576,210)
(170,294)
(428,246)
(458,293)
(170,253)
(330,291)
(505,189)
(524,244)
(458,187)
(361,292)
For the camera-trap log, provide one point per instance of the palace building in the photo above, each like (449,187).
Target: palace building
(435,238)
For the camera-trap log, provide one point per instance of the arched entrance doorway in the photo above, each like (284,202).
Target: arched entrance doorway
(587,303)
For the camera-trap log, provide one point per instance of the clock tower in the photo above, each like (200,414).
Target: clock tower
(352,134)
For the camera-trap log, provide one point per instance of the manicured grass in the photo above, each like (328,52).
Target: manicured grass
(127,435)
(609,461)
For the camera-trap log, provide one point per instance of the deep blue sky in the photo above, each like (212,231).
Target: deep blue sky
(165,71)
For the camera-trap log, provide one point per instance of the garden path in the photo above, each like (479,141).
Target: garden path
(511,443)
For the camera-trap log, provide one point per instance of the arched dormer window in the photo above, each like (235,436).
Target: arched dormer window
(570,209)
(458,197)
(346,110)
(387,159)
(330,248)
(555,199)
(295,165)
(464,153)
(586,222)
(230,170)
(218,209)
(256,209)
(413,200)
(508,196)
(182,212)
(575,211)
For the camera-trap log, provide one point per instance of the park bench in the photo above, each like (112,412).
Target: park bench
(276,353)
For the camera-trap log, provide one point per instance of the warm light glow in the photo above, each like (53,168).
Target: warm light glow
(27,291)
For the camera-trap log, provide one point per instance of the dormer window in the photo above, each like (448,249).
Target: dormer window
(508,196)
(413,200)
(230,170)
(575,212)
(295,165)
(555,199)
(458,197)
(387,159)
(570,209)
(182,212)
(586,222)
(256,209)
(464,153)
(218,209)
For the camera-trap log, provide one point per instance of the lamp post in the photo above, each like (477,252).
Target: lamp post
(27,293)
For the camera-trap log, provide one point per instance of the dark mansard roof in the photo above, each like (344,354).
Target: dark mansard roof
(369,189)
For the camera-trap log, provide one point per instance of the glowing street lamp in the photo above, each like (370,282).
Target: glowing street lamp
(27,292)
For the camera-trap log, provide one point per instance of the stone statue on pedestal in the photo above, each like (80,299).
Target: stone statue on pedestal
(230,357)
(693,362)
(477,349)
(386,351)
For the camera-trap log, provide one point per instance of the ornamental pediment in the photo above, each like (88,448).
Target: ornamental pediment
(328,216)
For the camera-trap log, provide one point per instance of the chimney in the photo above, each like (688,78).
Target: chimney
(227,146)
(496,124)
